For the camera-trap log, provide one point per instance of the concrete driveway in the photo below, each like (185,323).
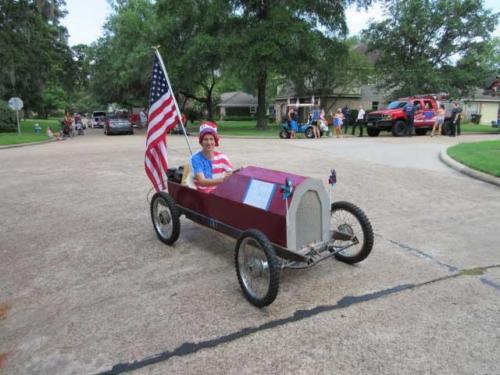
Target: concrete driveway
(86,287)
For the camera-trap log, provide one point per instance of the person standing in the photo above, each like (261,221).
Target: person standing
(455,119)
(346,112)
(360,121)
(409,109)
(315,121)
(292,120)
(337,123)
(438,123)
(143,118)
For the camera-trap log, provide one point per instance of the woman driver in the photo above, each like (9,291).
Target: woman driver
(210,168)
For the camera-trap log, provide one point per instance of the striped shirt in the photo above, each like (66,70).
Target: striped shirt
(211,169)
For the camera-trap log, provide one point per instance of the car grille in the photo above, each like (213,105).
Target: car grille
(375,117)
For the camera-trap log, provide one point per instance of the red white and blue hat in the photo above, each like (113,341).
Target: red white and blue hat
(208,127)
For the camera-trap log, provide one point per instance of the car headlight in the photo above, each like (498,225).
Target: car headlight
(387,117)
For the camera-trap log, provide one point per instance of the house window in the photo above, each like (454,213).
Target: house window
(253,109)
(374,106)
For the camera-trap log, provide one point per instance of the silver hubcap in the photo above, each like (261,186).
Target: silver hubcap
(162,218)
(254,268)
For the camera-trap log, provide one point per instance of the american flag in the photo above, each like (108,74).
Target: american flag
(162,117)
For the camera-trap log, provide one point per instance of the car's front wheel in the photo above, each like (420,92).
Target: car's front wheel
(373,132)
(257,267)
(399,128)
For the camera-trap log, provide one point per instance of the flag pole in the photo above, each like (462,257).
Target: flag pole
(179,114)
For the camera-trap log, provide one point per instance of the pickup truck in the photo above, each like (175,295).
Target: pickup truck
(393,118)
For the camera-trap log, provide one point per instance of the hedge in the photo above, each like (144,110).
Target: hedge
(7,118)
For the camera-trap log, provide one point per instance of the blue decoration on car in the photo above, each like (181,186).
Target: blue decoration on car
(332,180)
(287,189)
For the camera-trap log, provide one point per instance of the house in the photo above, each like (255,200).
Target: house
(367,96)
(237,103)
(484,104)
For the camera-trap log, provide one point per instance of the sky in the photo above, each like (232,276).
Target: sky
(85,19)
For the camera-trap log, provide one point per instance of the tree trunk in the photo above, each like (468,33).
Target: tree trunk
(261,99)
(210,112)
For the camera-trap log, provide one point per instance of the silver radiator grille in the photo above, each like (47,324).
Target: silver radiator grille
(308,222)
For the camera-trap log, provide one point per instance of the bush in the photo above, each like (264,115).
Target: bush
(7,118)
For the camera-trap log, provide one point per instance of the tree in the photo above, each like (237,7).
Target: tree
(195,46)
(278,37)
(121,61)
(433,46)
(33,48)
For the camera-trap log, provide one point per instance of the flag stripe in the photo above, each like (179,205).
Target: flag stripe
(162,117)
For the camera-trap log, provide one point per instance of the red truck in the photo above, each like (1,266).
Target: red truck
(393,118)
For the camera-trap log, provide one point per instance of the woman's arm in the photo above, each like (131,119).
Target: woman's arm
(202,181)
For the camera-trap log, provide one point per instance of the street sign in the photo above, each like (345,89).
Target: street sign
(16,104)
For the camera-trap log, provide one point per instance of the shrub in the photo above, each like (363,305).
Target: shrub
(7,118)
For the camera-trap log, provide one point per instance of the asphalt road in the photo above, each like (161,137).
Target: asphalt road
(86,287)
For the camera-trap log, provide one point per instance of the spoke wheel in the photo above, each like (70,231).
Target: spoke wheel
(165,216)
(257,267)
(350,219)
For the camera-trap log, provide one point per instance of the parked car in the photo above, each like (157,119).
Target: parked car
(393,118)
(98,119)
(117,125)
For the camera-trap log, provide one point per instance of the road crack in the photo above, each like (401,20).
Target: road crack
(189,348)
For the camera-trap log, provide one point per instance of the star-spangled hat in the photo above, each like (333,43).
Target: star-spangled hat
(209,127)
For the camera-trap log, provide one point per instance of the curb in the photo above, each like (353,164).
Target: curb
(4,147)
(446,159)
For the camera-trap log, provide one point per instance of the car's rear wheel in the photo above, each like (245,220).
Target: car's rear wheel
(309,132)
(165,217)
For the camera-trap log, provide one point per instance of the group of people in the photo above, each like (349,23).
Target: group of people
(410,109)
(455,128)
(340,121)
(69,125)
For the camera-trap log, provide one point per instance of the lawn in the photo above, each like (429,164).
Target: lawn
(483,156)
(474,128)
(240,128)
(28,134)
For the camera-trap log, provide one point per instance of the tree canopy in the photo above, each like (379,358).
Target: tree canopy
(434,46)
(33,51)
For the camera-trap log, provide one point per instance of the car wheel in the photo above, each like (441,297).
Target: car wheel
(446,129)
(348,219)
(309,132)
(257,267)
(284,134)
(165,217)
(399,128)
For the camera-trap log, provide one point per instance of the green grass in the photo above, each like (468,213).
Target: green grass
(473,128)
(240,128)
(28,134)
(483,156)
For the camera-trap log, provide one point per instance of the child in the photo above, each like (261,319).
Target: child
(338,120)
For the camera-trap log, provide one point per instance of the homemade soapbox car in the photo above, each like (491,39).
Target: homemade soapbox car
(280,220)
